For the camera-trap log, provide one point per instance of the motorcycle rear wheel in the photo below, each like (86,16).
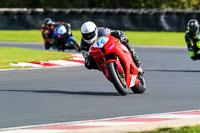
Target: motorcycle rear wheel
(47,46)
(61,48)
(118,80)
(141,87)
(75,45)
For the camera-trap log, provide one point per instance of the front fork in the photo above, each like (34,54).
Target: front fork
(118,65)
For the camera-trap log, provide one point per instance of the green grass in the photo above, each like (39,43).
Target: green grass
(157,38)
(14,55)
(135,38)
(8,55)
(28,35)
(21,35)
(185,129)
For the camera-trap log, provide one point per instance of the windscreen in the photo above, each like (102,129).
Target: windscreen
(61,29)
(102,32)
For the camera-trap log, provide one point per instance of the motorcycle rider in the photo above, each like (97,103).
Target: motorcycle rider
(90,33)
(47,30)
(192,35)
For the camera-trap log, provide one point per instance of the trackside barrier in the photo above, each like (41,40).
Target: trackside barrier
(123,19)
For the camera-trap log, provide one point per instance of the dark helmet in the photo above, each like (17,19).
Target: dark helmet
(193,26)
(47,21)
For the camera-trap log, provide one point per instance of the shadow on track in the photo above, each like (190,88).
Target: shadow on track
(160,70)
(68,92)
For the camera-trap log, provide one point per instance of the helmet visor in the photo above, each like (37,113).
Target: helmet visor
(193,28)
(88,36)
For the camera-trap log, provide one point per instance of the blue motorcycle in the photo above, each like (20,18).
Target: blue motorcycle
(63,39)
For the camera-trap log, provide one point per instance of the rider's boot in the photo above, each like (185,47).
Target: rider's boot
(136,60)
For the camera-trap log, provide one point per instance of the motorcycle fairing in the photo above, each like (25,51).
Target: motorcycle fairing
(61,29)
(113,46)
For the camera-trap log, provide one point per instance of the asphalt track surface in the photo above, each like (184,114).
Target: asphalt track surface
(42,96)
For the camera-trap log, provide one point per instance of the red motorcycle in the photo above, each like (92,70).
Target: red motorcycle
(115,61)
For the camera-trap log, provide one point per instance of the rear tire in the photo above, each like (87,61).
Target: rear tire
(60,45)
(118,80)
(141,87)
(47,46)
(75,45)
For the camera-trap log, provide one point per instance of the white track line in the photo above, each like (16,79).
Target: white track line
(104,122)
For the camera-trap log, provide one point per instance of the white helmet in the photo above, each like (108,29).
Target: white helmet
(89,32)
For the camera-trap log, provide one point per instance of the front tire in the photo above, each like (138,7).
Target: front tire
(75,45)
(118,80)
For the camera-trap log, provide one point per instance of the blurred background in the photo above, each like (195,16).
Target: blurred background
(131,15)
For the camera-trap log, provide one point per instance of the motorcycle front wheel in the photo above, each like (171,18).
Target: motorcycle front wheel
(118,80)
(75,45)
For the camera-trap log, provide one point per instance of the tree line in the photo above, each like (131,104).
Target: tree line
(147,4)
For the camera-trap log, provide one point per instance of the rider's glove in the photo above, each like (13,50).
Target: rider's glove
(87,59)
(88,63)
(124,39)
(85,54)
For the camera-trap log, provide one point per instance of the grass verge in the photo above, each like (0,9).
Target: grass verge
(138,38)
(14,55)
(157,38)
(185,129)
(28,35)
